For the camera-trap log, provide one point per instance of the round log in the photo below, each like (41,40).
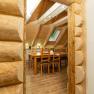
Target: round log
(14,89)
(78,20)
(66,2)
(78,31)
(11,73)
(78,1)
(78,43)
(12,7)
(79,74)
(11,51)
(79,89)
(77,8)
(11,28)
(79,58)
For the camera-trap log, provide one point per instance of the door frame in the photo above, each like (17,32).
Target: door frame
(76,43)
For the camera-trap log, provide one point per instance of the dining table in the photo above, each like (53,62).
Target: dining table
(37,56)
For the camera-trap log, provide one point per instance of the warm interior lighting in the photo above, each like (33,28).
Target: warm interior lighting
(38,45)
(31,5)
(51,52)
(27,46)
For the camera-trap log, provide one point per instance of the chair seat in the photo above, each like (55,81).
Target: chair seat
(45,62)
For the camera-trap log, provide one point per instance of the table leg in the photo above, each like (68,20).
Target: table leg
(35,66)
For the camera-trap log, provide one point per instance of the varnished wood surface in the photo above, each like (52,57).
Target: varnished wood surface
(35,57)
(47,84)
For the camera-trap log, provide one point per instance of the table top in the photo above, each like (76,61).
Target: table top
(38,54)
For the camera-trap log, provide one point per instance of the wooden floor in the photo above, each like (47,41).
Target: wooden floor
(47,84)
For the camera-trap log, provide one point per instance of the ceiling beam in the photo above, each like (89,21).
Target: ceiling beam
(43,6)
(66,2)
(58,17)
(33,42)
(62,21)
(50,32)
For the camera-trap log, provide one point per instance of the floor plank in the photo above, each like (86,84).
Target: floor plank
(47,84)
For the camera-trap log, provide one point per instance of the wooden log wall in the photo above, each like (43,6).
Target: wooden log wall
(77,59)
(11,46)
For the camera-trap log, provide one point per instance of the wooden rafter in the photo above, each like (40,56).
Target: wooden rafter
(48,36)
(43,6)
(61,35)
(33,42)
(66,2)
(57,23)
(61,15)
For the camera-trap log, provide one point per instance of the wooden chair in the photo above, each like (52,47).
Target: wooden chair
(33,52)
(56,61)
(45,59)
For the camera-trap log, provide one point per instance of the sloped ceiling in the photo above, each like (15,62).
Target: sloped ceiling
(67,2)
(39,33)
(31,31)
(43,6)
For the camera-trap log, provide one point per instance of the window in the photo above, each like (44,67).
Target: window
(31,5)
(54,35)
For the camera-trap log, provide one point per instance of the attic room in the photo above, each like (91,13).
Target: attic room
(47,30)
(43,47)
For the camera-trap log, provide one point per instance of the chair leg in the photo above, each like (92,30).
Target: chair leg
(41,69)
(48,69)
(53,67)
(59,67)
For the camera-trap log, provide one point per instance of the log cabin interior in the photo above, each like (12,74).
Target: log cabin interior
(46,47)
(42,47)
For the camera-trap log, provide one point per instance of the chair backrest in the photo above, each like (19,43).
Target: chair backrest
(56,56)
(33,50)
(36,51)
(45,55)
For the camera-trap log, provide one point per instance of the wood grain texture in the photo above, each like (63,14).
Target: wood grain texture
(78,43)
(77,8)
(43,6)
(79,89)
(78,20)
(11,51)
(11,73)
(79,58)
(32,32)
(11,28)
(13,89)
(64,32)
(47,84)
(12,7)
(59,16)
(79,74)
(81,80)
(78,31)
(71,50)
(67,2)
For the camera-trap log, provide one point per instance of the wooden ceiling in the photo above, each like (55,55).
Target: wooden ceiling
(43,6)
(66,2)
(40,33)
(58,17)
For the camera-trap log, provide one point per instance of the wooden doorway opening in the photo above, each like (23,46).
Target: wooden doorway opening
(76,46)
